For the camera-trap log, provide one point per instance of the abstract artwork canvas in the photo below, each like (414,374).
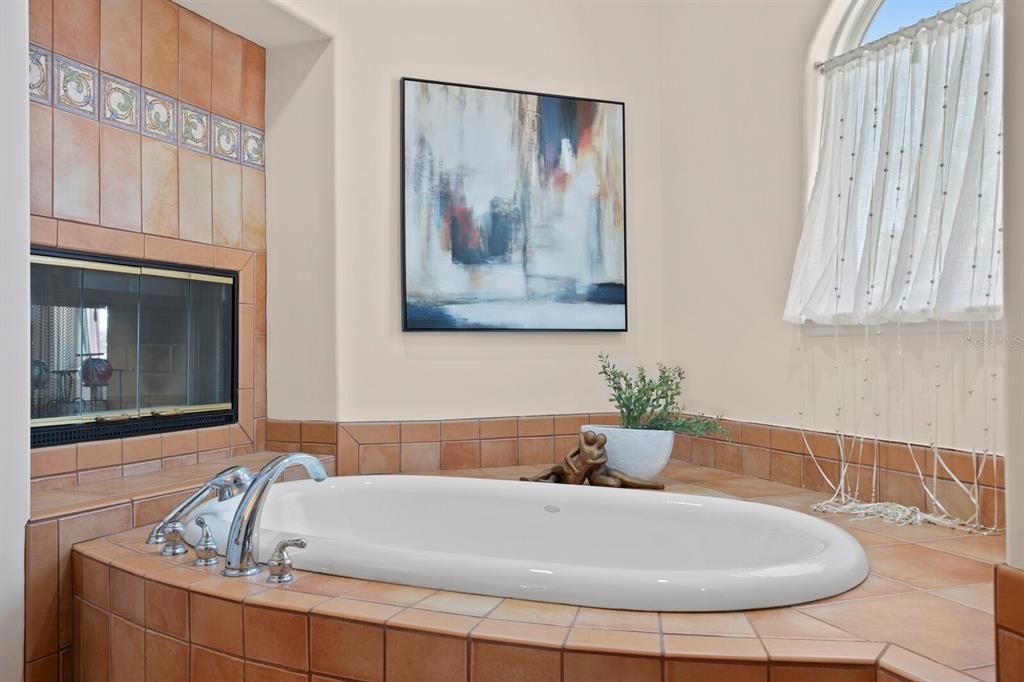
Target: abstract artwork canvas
(514,210)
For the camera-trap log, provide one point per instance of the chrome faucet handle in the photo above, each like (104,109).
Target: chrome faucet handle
(174,537)
(228,483)
(280,564)
(206,548)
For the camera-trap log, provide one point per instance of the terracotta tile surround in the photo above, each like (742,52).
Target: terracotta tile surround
(331,628)
(104,189)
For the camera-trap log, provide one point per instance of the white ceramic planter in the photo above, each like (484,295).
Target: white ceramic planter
(642,453)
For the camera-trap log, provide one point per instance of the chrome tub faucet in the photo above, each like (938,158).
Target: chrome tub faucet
(226,484)
(238,553)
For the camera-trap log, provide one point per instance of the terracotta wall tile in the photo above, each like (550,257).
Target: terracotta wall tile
(418,432)
(420,457)
(166,658)
(815,473)
(43,231)
(536,450)
(76,29)
(82,237)
(128,650)
(40,23)
(1010,648)
(210,665)
(708,671)
(214,438)
(565,444)
(159,188)
(254,209)
(728,457)
(342,648)
(536,426)
(226,96)
(318,432)
(40,159)
(41,584)
(501,452)
(227,203)
(100,453)
(259,404)
(72,529)
(259,286)
(570,424)
(374,432)
(120,179)
(703,452)
(587,667)
(787,468)
(461,454)
(246,376)
(682,448)
(95,642)
(178,443)
(194,54)
(756,434)
(245,279)
(54,460)
(757,462)
(1009,598)
(283,430)
(91,581)
(160,46)
(140,449)
(216,623)
(121,38)
(492,662)
(195,197)
(245,415)
(128,596)
(254,80)
(275,636)
(149,510)
(76,167)
(789,440)
(379,459)
(44,669)
(413,656)
(167,609)
(348,453)
(178,251)
(101,474)
(460,429)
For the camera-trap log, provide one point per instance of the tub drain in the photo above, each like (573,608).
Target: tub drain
(552,509)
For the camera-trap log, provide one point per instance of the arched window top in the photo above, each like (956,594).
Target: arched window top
(892,15)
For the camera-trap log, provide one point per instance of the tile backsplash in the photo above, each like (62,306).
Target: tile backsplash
(146,141)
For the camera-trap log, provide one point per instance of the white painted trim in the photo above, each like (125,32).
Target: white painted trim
(1013,218)
(14,329)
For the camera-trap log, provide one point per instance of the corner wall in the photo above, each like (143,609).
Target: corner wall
(14,340)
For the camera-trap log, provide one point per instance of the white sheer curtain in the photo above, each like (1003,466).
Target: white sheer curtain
(905,219)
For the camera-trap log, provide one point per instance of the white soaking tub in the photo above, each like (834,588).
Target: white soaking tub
(611,548)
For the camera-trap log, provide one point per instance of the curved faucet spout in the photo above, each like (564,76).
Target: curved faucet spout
(227,484)
(238,553)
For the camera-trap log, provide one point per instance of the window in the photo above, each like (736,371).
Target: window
(893,15)
(904,223)
(124,348)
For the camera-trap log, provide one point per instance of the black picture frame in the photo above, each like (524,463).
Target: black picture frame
(403,199)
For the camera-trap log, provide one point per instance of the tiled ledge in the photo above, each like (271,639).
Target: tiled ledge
(138,609)
(769,452)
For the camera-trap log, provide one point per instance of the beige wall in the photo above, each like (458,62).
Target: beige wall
(717,157)
(610,51)
(14,331)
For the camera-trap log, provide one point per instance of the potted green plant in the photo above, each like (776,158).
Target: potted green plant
(649,417)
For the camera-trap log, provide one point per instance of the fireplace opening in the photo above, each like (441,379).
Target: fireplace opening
(124,347)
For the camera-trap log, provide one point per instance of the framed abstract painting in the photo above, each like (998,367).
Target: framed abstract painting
(513,210)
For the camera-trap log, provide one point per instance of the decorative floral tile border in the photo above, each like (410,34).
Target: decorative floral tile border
(72,86)
(119,102)
(40,74)
(159,116)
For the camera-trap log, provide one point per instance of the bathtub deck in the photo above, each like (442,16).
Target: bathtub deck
(926,583)
(925,580)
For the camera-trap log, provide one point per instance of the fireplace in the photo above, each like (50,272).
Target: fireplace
(124,347)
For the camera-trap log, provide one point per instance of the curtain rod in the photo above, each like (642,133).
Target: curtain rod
(964,8)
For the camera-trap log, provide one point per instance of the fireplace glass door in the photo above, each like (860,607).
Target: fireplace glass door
(120,348)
